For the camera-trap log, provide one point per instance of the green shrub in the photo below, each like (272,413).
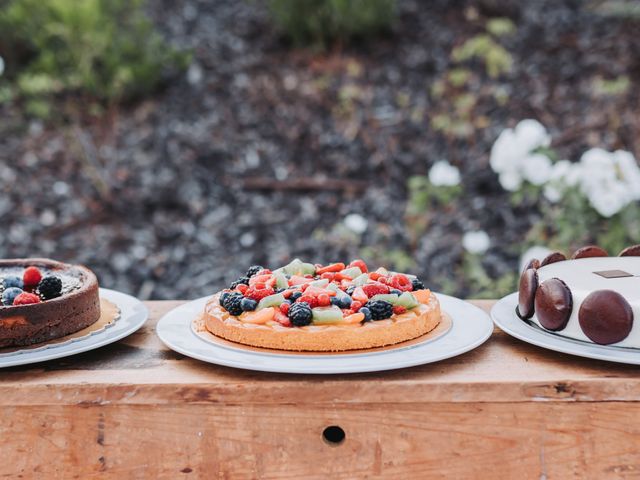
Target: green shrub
(106,49)
(320,22)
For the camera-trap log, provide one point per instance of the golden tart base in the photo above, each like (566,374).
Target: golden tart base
(324,338)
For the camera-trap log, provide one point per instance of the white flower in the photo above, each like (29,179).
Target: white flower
(531,134)
(537,251)
(609,180)
(443,174)
(537,169)
(512,159)
(552,193)
(477,242)
(511,180)
(356,223)
(1,66)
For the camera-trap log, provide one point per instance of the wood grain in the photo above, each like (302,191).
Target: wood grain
(137,410)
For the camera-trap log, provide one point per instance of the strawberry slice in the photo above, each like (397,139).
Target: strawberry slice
(334,267)
(375,288)
(360,264)
(259,279)
(317,291)
(298,280)
(359,295)
(258,294)
(282,319)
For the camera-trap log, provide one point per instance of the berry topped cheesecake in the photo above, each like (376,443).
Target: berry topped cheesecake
(336,307)
(42,300)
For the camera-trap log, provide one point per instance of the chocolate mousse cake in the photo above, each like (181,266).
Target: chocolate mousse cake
(590,297)
(42,300)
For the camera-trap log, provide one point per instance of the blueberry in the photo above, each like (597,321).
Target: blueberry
(395,291)
(295,295)
(350,290)
(336,301)
(13,281)
(248,304)
(345,302)
(223,297)
(367,314)
(10,294)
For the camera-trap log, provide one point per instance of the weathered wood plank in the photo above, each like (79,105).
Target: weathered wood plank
(433,440)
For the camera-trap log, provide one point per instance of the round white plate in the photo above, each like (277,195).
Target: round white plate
(504,316)
(470,328)
(133,314)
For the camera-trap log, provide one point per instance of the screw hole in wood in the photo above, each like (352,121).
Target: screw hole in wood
(333,435)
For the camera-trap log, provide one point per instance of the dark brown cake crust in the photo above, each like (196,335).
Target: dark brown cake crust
(39,322)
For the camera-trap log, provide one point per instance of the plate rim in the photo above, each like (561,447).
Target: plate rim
(512,325)
(168,322)
(132,317)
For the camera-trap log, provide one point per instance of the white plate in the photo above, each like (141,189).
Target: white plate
(470,328)
(504,315)
(133,314)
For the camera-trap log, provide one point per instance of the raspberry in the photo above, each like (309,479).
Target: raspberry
(324,300)
(372,289)
(26,298)
(31,277)
(258,294)
(242,288)
(310,300)
(284,307)
(401,282)
(399,309)
(356,306)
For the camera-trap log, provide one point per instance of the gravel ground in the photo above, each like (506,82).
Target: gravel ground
(258,152)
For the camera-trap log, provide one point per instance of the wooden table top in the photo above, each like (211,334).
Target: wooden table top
(141,370)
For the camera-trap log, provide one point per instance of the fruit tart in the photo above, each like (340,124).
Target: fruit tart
(322,308)
(41,300)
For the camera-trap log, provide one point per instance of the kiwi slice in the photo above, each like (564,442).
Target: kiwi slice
(271,301)
(326,315)
(407,300)
(361,280)
(281,280)
(391,298)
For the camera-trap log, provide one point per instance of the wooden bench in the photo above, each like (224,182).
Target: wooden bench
(137,410)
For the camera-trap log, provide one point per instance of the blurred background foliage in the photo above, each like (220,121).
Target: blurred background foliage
(321,22)
(146,126)
(105,50)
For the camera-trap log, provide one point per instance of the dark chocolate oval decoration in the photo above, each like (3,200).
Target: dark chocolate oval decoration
(553,304)
(632,251)
(527,293)
(605,317)
(533,263)
(553,258)
(589,252)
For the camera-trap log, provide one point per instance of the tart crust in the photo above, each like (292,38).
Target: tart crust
(324,338)
(23,325)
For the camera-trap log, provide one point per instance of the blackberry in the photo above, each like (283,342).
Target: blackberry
(295,295)
(417,284)
(300,314)
(233,304)
(379,309)
(50,287)
(241,280)
(253,270)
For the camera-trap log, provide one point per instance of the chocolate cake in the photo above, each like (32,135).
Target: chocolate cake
(43,299)
(592,297)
